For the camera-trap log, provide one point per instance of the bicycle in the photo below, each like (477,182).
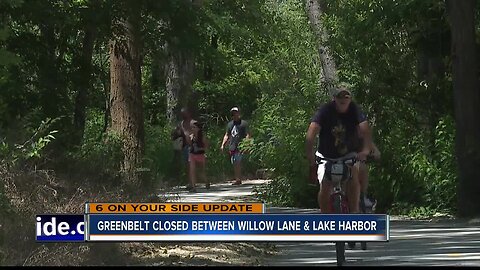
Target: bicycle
(338,171)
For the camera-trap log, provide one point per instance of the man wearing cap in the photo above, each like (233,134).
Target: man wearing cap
(343,129)
(237,130)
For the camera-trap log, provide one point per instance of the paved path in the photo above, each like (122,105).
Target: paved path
(424,243)
(223,192)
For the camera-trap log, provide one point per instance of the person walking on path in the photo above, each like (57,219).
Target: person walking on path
(198,145)
(237,130)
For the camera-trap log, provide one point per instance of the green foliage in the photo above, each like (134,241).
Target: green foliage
(219,167)
(100,155)
(279,145)
(31,149)
(102,152)
(278,192)
(425,167)
(259,55)
(416,144)
(407,209)
(289,98)
(408,103)
(4,203)
(159,153)
(15,156)
(103,156)
(7,58)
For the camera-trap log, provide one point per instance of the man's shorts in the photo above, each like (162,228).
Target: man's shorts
(321,167)
(320,170)
(235,156)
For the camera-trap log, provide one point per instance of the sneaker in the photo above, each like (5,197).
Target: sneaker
(374,206)
(238,182)
(367,202)
(370,206)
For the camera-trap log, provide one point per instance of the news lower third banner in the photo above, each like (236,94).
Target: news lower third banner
(174,208)
(205,222)
(236,227)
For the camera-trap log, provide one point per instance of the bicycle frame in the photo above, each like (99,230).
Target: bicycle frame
(338,197)
(338,192)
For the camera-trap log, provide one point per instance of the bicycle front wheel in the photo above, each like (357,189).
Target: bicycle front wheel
(363,210)
(339,246)
(340,250)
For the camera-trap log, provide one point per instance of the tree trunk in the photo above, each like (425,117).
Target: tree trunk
(50,94)
(175,95)
(207,68)
(187,82)
(179,79)
(315,9)
(83,84)
(105,78)
(126,92)
(179,71)
(467,111)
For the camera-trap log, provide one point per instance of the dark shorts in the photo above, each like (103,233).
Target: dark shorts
(235,156)
(186,153)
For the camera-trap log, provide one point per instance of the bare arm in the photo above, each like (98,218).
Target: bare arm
(366,134)
(225,139)
(312,133)
(375,152)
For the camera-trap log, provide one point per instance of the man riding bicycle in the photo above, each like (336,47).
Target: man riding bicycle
(343,129)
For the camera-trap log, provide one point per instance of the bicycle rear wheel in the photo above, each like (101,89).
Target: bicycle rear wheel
(339,246)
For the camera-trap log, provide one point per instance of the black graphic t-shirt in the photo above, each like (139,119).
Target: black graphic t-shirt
(237,131)
(338,131)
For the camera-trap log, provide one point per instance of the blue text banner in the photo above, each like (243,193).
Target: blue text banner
(237,227)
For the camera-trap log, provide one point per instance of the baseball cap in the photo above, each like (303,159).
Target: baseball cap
(235,109)
(342,87)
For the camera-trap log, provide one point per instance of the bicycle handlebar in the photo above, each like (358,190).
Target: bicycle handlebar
(350,158)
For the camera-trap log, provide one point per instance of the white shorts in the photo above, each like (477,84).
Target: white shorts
(321,167)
